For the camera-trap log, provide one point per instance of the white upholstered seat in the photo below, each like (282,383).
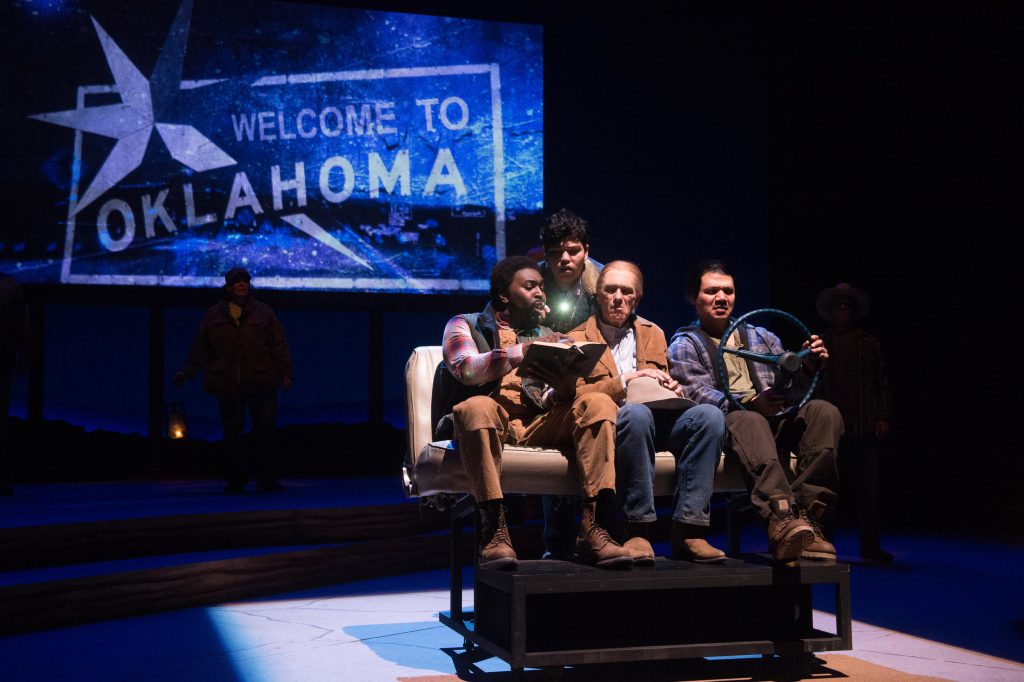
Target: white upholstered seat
(434,467)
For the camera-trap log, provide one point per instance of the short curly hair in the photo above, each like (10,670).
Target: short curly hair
(561,225)
(502,274)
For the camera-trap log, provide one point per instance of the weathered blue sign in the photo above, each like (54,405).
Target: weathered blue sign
(322,148)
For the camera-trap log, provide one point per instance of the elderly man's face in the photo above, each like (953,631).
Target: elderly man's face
(566,261)
(616,297)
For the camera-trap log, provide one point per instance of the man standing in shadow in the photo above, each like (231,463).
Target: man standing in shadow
(242,348)
(856,382)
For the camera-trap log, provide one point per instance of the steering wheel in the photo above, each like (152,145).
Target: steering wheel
(787,362)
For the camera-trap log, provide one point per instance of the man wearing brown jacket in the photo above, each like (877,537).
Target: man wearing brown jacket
(242,348)
(485,351)
(637,352)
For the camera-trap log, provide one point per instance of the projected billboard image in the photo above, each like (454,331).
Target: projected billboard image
(322,148)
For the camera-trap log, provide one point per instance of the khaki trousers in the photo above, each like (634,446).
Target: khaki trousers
(587,425)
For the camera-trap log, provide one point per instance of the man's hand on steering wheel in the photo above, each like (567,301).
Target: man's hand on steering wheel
(811,358)
(819,354)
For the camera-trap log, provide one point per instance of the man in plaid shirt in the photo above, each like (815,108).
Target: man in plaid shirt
(484,351)
(792,510)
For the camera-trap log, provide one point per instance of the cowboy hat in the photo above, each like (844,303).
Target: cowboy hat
(649,391)
(827,298)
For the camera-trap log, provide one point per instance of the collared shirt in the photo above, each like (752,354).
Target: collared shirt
(622,345)
(694,368)
(866,382)
(740,384)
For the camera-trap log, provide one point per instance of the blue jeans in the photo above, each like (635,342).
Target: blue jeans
(695,438)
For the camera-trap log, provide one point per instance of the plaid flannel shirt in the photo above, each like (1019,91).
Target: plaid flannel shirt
(873,401)
(465,361)
(694,368)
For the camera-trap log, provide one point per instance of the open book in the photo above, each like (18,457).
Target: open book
(648,391)
(577,359)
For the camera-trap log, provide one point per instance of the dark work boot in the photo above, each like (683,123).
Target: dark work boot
(638,543)
(788,534)
(871,549)
(606,513)
(559,526)
(595,546)
(495,547)
(820,548)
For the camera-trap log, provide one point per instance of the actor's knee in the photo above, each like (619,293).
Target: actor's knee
(823,412)
(477,412)
(708,419)
(634,417)
(595,407)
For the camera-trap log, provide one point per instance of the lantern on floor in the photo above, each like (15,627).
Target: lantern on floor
(177,423)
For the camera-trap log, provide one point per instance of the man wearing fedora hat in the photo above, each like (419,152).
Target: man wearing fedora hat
(856,382)
(636,361)
(242,348)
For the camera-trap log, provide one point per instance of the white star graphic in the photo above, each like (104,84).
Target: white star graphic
(131,123)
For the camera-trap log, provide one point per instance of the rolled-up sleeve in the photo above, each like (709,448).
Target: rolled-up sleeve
(467,364)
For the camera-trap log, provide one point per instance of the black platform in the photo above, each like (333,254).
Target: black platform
(554,613)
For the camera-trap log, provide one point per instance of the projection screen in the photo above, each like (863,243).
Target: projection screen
(322,148)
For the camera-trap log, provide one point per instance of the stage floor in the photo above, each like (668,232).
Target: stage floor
(387,630)
(949,607)
(51,503)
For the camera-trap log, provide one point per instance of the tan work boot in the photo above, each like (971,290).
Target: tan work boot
(688,544)
(820,548)
(495,547)
(638,543)
(788,535)
(595,546)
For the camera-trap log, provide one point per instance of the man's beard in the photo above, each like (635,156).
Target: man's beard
(528,317)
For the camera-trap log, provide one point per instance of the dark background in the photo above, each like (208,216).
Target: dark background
(805,144)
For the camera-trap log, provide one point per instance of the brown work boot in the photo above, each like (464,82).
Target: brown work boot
(638,543)
(688,544)
(595,546)
(495,546)
(820,548)
(788,534)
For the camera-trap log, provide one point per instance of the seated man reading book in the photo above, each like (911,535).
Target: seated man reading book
(485,351)
(652,415)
